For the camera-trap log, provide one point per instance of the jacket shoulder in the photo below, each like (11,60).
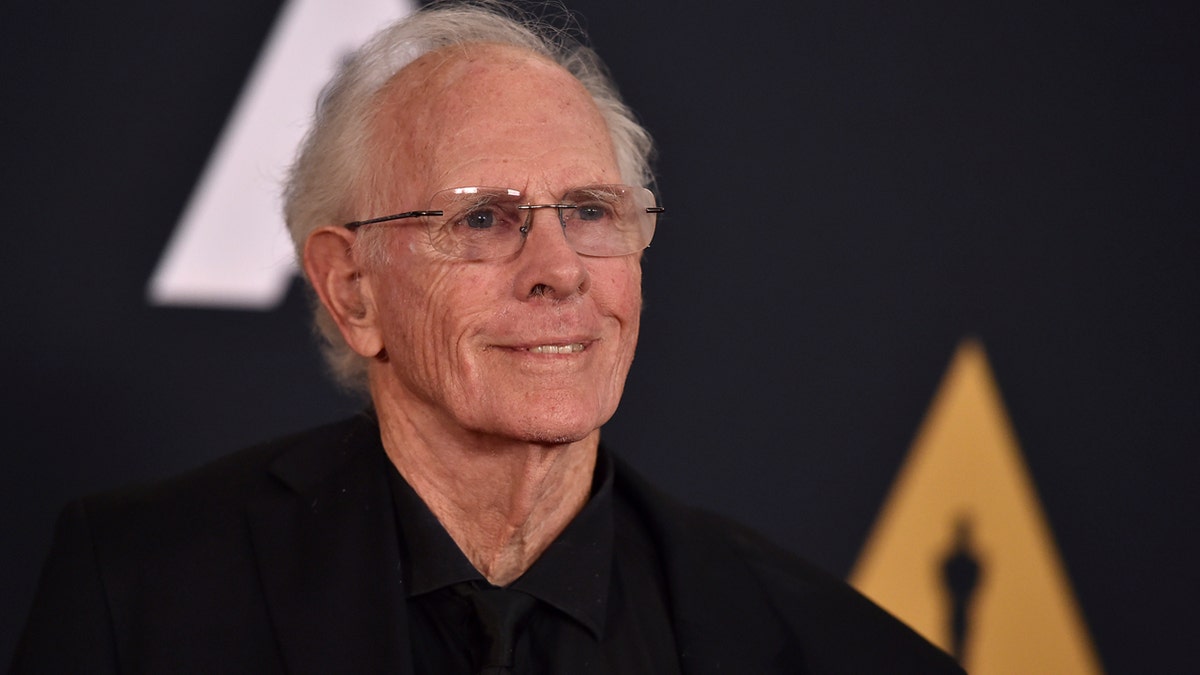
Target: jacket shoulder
(822,624)
(228,482)
(128,567)
(854,633)
(196,521)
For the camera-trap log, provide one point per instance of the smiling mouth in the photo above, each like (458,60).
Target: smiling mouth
(573,348)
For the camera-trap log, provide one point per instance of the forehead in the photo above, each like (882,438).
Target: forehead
(489,114)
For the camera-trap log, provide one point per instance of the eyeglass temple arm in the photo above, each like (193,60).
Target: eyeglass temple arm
(396,216)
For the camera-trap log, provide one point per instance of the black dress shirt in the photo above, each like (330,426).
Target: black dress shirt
(601,604)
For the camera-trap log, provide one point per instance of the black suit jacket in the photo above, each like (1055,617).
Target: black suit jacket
(283,558)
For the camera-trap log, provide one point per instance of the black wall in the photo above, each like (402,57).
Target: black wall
(852,187)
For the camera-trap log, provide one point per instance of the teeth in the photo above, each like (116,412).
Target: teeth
(557,349)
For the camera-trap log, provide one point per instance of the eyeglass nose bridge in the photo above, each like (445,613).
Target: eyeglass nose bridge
(531,207)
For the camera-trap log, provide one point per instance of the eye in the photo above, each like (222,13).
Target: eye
(481,219)
(593,212)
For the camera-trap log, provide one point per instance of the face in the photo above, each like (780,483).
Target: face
(533,347)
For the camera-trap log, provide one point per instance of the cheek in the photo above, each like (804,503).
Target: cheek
(617,284)
(617,289)
(433,311)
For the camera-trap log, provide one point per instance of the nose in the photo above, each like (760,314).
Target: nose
(547,265)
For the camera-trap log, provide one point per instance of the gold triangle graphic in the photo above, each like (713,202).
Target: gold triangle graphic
(961,550)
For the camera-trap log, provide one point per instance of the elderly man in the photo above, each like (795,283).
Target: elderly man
(470,208)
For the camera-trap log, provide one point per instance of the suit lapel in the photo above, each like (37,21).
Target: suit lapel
(327,555)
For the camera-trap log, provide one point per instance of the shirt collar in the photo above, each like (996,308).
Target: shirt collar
(572,574)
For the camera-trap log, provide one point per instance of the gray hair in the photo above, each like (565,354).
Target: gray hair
(329,175)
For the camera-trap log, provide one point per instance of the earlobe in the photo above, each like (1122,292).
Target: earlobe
(338,279)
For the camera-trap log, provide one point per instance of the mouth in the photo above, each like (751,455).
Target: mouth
(571,348)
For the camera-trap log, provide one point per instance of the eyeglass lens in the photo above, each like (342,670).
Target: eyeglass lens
(480,223)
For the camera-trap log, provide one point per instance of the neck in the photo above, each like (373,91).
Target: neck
(503,501)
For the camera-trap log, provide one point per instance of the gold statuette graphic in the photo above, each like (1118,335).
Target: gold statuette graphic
(961,550)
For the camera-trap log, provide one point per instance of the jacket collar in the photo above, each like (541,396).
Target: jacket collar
(327,556)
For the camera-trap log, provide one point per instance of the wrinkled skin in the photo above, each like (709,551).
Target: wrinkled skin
(458,335)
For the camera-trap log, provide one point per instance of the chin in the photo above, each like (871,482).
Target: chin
(554,434)
(543,418)
(558,429)
(549,440)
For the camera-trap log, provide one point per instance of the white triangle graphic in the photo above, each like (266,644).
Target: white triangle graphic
(230,248)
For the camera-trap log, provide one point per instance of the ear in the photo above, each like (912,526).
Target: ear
(338,279)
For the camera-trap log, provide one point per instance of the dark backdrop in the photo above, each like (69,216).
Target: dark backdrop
(853,187)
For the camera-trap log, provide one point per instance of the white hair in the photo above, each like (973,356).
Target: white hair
(331,170)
